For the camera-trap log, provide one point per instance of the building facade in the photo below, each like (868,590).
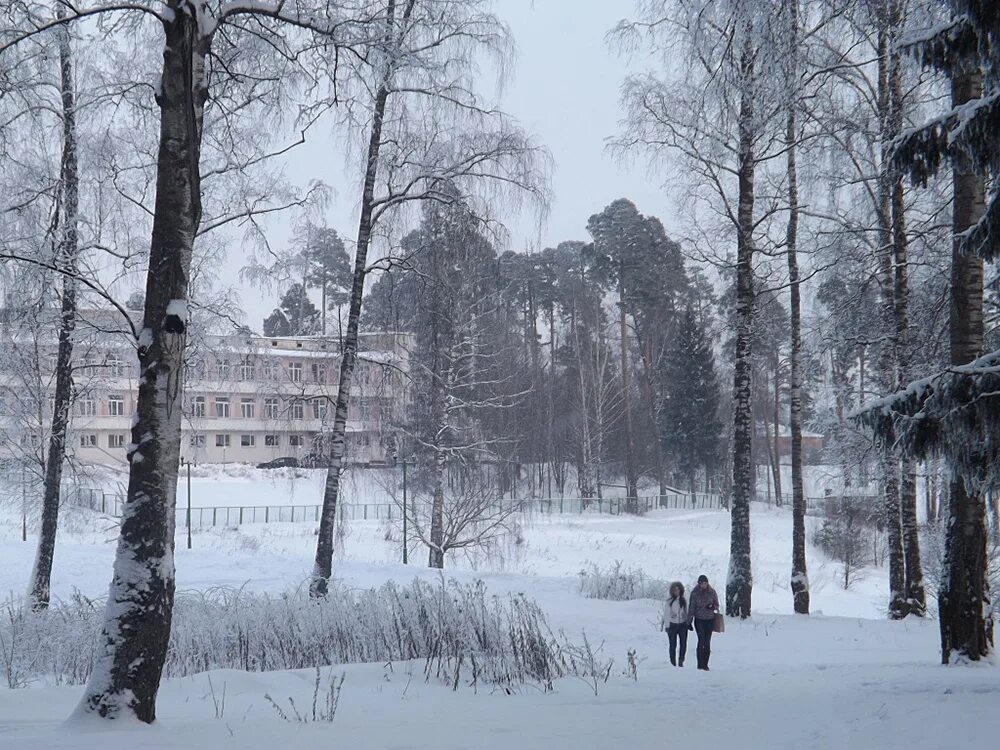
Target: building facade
(247,398)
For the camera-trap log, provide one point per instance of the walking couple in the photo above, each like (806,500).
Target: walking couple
(695,613)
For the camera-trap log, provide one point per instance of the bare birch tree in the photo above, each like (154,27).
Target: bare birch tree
(426,132)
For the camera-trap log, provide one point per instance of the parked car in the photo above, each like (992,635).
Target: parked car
(315,461)
(286,462)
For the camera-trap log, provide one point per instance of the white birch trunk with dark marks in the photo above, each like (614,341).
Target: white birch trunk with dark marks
(889,360)
(800,576)
(323,568)
(913,577)
(739,583)
(67,264)
(132,646)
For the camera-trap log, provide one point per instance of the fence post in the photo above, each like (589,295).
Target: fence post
(241,515)
(267,513)
(214,510)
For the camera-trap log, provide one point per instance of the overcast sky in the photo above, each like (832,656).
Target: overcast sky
(564,90)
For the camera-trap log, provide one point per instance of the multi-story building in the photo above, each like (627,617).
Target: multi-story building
(247,398)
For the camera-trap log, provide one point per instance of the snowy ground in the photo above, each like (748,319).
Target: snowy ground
(844,678)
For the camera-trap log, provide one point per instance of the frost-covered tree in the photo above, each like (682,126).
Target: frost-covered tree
(718,112)
(425,132)
(954,412)
(202,44)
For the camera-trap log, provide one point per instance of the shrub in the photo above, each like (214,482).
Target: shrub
(621,584)
(848,535)
(459,631)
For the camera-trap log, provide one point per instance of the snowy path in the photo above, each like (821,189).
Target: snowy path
(776,683)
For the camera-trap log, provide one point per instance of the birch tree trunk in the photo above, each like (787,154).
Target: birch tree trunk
(739,583)
(323,567)
(964,596)
(916,600)
(800,576)
(132,646)
(889,361)
(67,262)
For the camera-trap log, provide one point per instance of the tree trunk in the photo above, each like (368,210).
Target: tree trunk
(930,490)
(964,595)
(776,466)
(68,251)
(800,576)
(323,567)
(916,599)
(436,546)
(894,537)
(631,480)
(889,360)
(739,584)
(133,644)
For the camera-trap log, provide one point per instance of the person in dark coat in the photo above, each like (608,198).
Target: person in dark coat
(703,605)
(678,622)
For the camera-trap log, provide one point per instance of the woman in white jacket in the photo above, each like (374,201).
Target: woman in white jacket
(678,623)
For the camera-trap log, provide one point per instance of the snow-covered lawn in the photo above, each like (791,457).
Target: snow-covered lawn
(844,678)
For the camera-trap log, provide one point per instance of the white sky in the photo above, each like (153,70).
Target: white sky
(564,90)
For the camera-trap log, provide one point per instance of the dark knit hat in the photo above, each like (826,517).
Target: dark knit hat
(703,578)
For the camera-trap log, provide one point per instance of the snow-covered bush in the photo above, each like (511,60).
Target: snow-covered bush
(848,536)
(462,633)
(618,583)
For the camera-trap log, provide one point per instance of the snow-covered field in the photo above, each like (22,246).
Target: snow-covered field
(844,677)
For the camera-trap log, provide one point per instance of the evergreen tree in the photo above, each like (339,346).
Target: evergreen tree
(690,427)
(328,269)
(967,49)
(296,316)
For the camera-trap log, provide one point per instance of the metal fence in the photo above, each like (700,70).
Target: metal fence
(631,505)
(239,515)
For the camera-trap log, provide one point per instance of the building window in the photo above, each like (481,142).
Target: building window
(222,441)
(319,408)
(196,369)
(270,372)
(272,441)
(298,410)
(197,441)
(88,441)
(271,408)
(224,369)
(247,408)
(248,441)
(319,373)
(198,406)
(221,406)
(116,367)
(247,372)
(116,441)
(295,372)
(295,441)
(116,406)
(87,407)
